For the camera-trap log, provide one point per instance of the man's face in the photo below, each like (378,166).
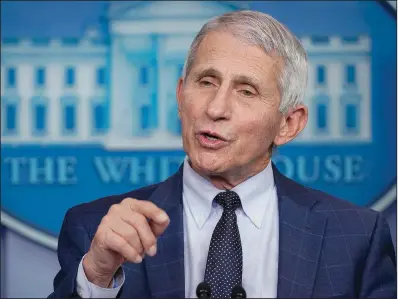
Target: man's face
(228,106)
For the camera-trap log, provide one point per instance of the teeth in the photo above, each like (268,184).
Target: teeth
(211,138)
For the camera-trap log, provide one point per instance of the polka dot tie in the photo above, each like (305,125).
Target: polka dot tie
(224,261)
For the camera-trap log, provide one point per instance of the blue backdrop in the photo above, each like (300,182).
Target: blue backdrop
(88,101)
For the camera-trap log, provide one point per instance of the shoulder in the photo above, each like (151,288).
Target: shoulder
(345,218)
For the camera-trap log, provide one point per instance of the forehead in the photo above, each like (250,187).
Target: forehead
(224,51)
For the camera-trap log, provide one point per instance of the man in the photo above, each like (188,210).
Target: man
(228,217)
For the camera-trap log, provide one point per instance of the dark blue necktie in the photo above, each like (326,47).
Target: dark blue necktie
(224,261)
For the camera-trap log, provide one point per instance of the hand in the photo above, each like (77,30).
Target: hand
(126,233)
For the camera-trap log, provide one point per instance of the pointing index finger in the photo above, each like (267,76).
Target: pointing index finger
(151,211)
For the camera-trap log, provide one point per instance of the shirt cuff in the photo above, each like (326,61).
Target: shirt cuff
(86,289)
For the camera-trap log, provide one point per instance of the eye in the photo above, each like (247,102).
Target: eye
(205,83)
(247,93)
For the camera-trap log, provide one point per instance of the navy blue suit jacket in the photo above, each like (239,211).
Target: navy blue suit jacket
(328,247)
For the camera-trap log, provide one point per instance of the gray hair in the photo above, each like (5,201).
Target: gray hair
(262,30)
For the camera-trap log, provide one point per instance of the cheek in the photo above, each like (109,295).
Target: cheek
(258,133)
(188,116)
(190,110)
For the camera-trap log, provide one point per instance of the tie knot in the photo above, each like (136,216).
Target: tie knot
(229,200)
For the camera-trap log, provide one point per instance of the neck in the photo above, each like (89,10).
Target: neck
(232,178)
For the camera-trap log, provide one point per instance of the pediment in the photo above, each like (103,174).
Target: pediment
(139,10)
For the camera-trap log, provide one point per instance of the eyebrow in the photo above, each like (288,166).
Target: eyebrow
(242,79)
(239,79)
(208,72)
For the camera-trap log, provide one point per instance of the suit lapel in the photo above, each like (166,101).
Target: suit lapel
(166,269)
(301,233)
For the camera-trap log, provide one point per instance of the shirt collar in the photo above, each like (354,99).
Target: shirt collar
(254,194)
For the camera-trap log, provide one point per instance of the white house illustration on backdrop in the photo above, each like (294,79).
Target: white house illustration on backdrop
(118,89)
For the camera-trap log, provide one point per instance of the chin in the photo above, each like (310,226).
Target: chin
(208,163)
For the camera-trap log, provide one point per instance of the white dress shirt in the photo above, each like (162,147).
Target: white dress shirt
(86,289)
(258,223)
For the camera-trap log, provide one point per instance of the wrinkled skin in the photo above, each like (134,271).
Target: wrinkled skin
(232,91)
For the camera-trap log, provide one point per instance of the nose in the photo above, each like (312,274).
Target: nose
(219,105)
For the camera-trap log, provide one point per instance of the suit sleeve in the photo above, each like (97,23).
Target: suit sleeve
(379,279)
(73,243)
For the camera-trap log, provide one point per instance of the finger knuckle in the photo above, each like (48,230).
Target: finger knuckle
(101,237)
(139,249)
(114,209)
(128,251)
(148,204)
(135,240)
(149,240)
(132,235)
(128,201)
(138,218)
(106,220)
(122,243)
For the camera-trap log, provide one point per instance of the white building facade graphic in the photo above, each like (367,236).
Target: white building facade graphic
(119,91)
(338,93)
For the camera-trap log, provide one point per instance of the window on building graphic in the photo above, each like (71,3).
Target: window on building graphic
(69,115)
(144,75)
(180,70)
(321,75)
(41,41)
(320,40)
(70,76)
(179,128)
(101,76)
(145,117)
(9,115)
(322,113)
(351,106)
(40,77)
(11,112)
(173,121)
(10,41)
(322,116)
(351,116)
(11,77)
(70,41)
(39,115)
(99,116)
(350,39)
(350,76)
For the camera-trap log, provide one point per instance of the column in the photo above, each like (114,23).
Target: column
(2,76)
(25,81)
(309,130)
(2,89)
(363,83)
(162,83)
(54,86)
(85,79)
(335,75)
(135,103)
(122,84)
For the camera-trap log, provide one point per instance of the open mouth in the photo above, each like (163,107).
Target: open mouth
(211,140)
(210,136)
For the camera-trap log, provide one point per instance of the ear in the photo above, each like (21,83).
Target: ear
(179,95)
(292,124)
